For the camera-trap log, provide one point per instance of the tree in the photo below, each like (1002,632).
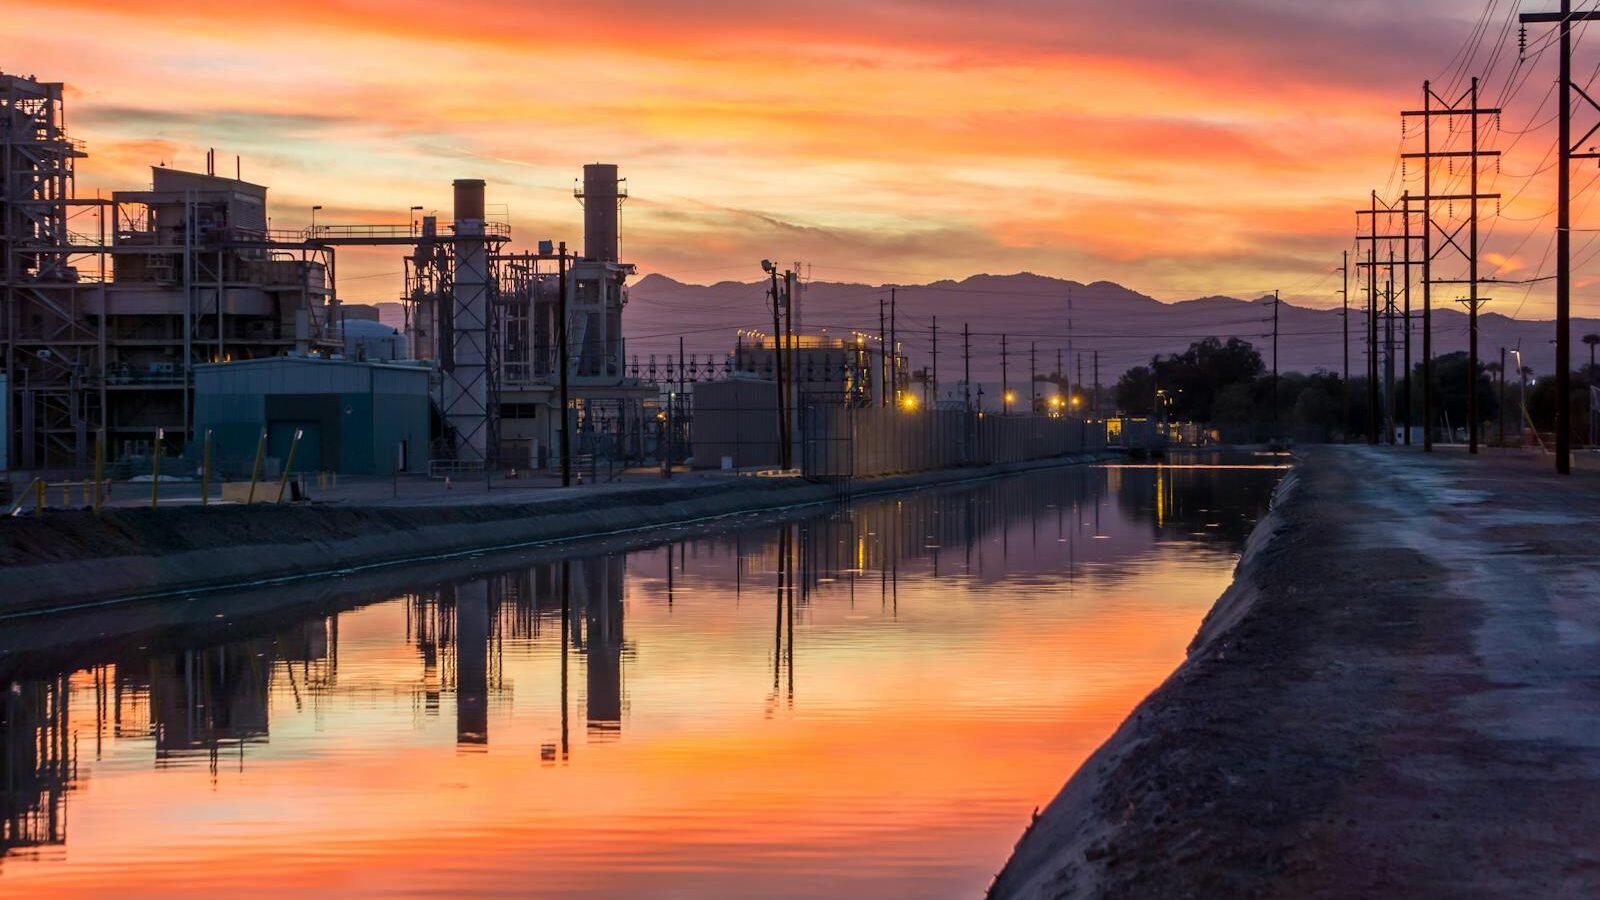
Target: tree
(1136,391)
(1194,377)
(1450,392)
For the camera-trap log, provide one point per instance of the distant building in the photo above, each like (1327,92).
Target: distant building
(826,368)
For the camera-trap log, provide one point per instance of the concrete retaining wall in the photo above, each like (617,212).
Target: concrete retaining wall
(72,559)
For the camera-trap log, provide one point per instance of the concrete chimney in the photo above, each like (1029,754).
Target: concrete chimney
(600,199)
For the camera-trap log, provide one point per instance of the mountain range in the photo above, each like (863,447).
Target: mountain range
(1046,316)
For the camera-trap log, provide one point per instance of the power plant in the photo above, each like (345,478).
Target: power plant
(110,304)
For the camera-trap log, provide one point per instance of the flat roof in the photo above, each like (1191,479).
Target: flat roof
(264,361)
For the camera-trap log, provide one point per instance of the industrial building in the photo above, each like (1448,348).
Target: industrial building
(355,418)
(102,328)
(842,370)
(111,306)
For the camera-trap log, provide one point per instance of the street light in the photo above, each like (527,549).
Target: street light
(314,211)
(1009,398)
(414,218)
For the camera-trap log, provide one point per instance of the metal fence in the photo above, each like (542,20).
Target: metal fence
(856,442)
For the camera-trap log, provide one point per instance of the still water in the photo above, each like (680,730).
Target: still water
(868,701)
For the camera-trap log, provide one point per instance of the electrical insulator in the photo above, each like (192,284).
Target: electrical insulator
(1522,44)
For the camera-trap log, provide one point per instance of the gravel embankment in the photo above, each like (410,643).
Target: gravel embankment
(1398,697)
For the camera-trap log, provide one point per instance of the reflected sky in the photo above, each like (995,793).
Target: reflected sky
(870,700)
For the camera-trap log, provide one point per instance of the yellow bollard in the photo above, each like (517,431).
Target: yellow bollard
(155,469)
(288,464)
(66,494)
(255,471)
(38,499)
(205,472)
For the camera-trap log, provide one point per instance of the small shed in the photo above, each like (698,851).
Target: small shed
(355,418)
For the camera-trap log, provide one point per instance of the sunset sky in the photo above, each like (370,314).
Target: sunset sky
(1179,148)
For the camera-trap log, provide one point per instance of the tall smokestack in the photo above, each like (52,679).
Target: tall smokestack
(466,378)
(469,199)
(600,199)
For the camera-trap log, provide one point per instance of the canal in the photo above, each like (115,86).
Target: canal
(868,700)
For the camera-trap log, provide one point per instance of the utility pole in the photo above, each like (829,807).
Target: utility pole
(1388,353)
(894,353)
(966,367)
(1069,339)
(777,366)
(1427,269)
(883,355)
(1472,288)
(1567,153)
(1095,405)
(790,396)
(933,375)
(565,363)
(1464,105)
(1005,380)
(1344,296)
(1275,404)
(1372,327)
(1061,378)
(1472,369)
(1405,384)
(1080,370)
(1033,375)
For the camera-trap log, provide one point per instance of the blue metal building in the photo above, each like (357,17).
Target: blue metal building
(355,418)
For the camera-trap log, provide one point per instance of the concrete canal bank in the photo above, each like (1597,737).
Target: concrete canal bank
(71,558)
(1398,697)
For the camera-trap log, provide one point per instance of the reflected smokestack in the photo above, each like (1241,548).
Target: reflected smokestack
(600,583)
(472,663)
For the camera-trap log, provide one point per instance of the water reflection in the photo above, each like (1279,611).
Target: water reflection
(878,693)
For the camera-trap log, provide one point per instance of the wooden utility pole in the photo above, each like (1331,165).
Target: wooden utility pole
(1005,380)
(1095,403)
(1275,301)
(1033,374)
(1388,353)
(790,396)
(894,353)
(1405,383)
(883,356)
(1567,153)
(1344,297)
(1465,104)
(966,367)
